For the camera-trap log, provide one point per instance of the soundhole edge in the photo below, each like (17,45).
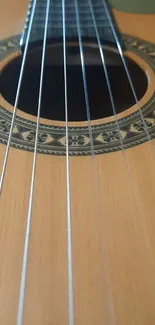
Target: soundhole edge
(52,107)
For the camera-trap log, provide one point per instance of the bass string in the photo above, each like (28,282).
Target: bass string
(69,228)
(95,180)
(24,268)
(27,234)
(17,97)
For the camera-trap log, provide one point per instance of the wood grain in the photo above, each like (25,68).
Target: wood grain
(113,222)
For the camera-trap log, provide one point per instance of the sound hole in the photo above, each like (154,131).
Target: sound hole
(53,86)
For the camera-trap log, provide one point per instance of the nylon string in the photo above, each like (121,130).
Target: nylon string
(17,97)
(106,73)
(69,229)
(84,78)
(26,245)
(95,179)
(126,69)
(127,165)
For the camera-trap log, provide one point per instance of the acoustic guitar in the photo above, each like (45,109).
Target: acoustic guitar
(77,157)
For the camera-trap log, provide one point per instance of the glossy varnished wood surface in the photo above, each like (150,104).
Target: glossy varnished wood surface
(113,222)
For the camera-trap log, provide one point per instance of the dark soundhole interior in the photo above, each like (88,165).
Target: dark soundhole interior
(53,85)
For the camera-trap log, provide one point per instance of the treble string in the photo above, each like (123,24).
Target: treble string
(129,176)
(17,96)
(84,78)
(27,235)
(126,69)
(95,178)
(69,229)
(106,74)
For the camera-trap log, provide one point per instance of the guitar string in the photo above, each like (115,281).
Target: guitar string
(127,168)
(27,235)
(127,165)
(69,227)
(110,300)
(12,124)
(109,86)
(106,73)
(126,69)
(17,97)
(129,176)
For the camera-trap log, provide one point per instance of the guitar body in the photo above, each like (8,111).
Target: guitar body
(112,213)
